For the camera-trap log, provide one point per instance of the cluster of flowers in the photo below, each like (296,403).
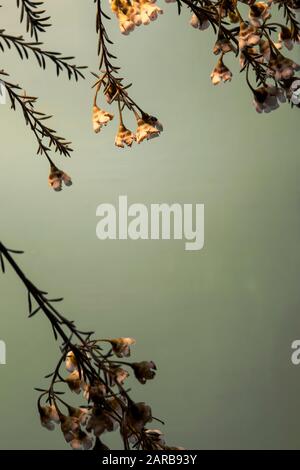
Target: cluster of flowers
(130,13)
(252,41)
(148,127)
(95,370)
(135,12)
(251,38)
(108,406)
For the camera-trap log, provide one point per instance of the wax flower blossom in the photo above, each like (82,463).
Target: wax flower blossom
(124,137)
(117,376)
(57,178)
(48,416)
(74,381)
(100,118)
(257,33)
(268,98)
(99,377)
(293,92)
(71,363)
(258,13)
(286,38)
(248,36)
(149,11)
(282,68)
(220,73)
(81,441)
(199,22)
(121,346)
(135,13)
(222,45)
(145,130)
(244,29)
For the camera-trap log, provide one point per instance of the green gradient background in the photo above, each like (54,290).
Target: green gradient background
(219,323)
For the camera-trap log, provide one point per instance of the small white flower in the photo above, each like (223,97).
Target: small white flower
(282,68)
(199,22)
(125,23)
(57,178)
(248,36)
(71,363)
(81,441)
(49,416)
(145,131)
(258,13)
(268,98)
(149,12)
(100,118)
(220,73)
(124,137)
(121,346)
(295,92)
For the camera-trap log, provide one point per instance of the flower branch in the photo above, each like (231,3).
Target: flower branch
(36,122)
(113,89)
(34,17)
(23,48)
(95,373)
(250,38)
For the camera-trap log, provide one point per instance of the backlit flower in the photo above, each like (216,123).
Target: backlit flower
(124,137)
(258,13)
(74,381)
(69,426)
(95,392)
(71,363)
(81,413)
(268,98)
(220,73)
(145,131)
(285,37)
(118,375)
(81,441)
(222,45)
(248,36)
(49,416)
(125,23)
(100,118)
(265,49)
(153,121)
(134,13)
(121,346)
(149,12)
(282,68)
(294,92)
(57,178)
(199,22)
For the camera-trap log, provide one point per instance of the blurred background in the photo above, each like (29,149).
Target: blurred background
(219,322)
